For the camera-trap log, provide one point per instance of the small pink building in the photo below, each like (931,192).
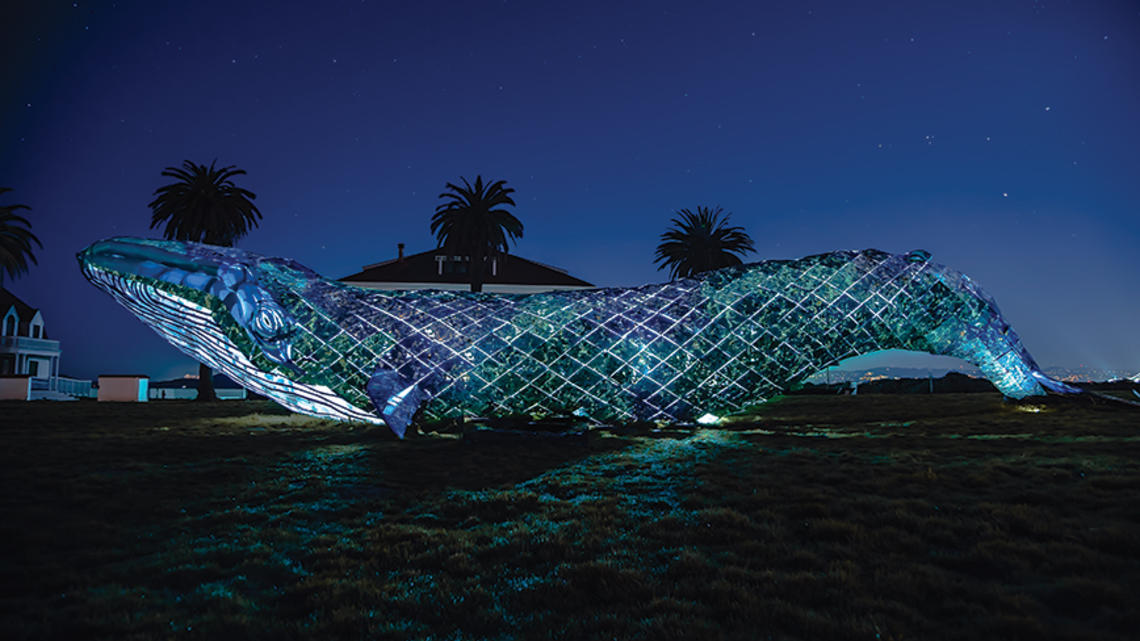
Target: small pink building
(131,388)
(15,387)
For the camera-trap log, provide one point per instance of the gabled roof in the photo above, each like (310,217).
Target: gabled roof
(424,268)
(8,299)
(25,311)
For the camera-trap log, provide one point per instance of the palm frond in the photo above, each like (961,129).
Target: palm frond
(471,222)
(17,241)
(204,205)
(701,241)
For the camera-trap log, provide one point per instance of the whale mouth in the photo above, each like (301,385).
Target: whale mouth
(142,258)
(178,315)
(155,284)
(177,295)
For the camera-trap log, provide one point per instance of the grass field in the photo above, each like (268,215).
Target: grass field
(868,517)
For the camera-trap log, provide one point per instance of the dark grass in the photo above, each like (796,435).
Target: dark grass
(868,517)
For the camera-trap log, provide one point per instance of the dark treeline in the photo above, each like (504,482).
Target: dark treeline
(951,383)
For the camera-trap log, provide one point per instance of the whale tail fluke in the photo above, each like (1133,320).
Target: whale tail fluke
(1114,400)
(1060,388)
(1055,386)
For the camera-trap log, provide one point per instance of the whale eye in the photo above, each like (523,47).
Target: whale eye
(269,323)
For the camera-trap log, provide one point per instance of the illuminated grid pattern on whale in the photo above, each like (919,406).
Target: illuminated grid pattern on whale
(717,343)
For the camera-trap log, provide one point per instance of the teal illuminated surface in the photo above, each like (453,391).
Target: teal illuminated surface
(681,351)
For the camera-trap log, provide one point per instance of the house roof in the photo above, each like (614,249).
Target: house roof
(424,268)
(25,311)
(8,299)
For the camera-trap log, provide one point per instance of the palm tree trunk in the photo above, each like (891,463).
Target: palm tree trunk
(477,268)
(206,383)
(205,374)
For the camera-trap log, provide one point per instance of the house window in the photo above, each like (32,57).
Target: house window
(34,368)
(455,267)
(10,326)
(37,330)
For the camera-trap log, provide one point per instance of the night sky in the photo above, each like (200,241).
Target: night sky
(1002,137)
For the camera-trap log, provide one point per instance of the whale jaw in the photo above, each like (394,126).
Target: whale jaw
(188,318)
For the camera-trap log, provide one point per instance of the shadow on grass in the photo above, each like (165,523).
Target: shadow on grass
(949,517)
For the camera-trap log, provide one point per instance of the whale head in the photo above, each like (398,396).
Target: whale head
(250,317)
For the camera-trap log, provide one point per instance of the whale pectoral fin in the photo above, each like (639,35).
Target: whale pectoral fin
(394,398)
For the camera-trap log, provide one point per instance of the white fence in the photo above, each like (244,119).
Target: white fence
(184,393)
(80,388)
(75,387)
(71,386)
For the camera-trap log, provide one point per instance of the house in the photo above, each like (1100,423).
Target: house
(435,269)
(24,344)
(26,351)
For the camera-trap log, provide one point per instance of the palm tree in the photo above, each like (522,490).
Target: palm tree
(16,240)
(468,224)
(701,241)
(204,206)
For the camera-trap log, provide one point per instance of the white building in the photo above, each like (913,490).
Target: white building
(435,269)
(24,344)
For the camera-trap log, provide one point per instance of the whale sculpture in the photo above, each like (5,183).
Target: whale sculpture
(691,349)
